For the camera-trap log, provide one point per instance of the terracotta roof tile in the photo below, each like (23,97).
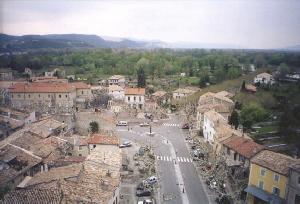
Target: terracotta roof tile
(134,91)
(41,88)
(243,146)
(103,139)
(274,161)
(41,196)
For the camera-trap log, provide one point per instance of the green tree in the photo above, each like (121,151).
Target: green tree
(283,69)
(234,119)
(251,114)
(94,127)
(141,78)
(243,87)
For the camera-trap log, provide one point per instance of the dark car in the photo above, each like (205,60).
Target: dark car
(141,193)
(185,126)
(140,187)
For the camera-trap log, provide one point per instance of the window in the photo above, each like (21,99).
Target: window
(12,96)
(235,156)
(128,98)
(19,95)
(66,96)
(276,177)
(28,95)
(228,151)
(48,95)
(276,191)
(59,96)
(39,96)
(134,98)
(81,92)
(262,171)
(140,98)
(261,184)
(94,146)
(80,155)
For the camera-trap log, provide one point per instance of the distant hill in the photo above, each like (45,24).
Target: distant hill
(11,43)
(292,48)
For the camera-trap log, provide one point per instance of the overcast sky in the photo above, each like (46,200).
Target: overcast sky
(246,23)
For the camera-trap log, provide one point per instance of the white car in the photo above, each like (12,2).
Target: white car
(122,123)
(144,124)
(125,144)
(151,180)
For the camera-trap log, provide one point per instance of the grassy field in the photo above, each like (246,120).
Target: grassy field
(232,85)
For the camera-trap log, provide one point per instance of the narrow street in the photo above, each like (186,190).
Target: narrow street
(178,178)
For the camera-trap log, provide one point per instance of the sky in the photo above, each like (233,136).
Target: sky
(243,23)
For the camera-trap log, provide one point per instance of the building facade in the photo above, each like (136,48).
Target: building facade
(268,178)
(135,97)
(264,78)
(117,80)
(293,188)
(117,92)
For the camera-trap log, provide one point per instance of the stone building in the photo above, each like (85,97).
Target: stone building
(117,80)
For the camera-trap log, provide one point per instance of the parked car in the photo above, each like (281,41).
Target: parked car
(125,144)
(141,193)
(146,201)
(185,126)
(140,186)
(121,123)
(152,180)
(144,124)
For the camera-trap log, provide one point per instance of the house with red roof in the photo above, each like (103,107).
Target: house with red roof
(105,141)
(239,150)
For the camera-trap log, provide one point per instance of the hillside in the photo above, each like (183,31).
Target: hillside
(11,43)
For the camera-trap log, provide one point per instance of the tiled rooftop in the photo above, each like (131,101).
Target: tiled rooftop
(134,91)
(41,87)
(274,161)
(243,146)
(103,139)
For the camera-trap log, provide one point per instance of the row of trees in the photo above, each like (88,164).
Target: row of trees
(214,65)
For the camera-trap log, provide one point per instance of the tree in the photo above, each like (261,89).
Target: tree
(94,126)
(243,87)
(234,119)
(141,78)
(252,113)
(283,69)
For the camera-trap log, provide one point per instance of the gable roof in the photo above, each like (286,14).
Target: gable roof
(41,87)
(159,93)
(274,161)
(134,91)
(243,146)
(55,174)
(103,139)
(264,75)
(214,116)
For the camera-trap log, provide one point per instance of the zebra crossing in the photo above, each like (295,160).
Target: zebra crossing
(170,124)
(172,159)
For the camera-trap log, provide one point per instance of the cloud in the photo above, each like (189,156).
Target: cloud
(252,24)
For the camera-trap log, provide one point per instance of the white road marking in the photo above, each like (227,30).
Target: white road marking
(178,159)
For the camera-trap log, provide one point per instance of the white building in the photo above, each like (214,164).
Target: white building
(117,80)
(117,92)
(264,78)
(212,120)
(220,102)
(135,97)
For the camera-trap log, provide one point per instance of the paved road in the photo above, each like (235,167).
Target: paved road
(179,181)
